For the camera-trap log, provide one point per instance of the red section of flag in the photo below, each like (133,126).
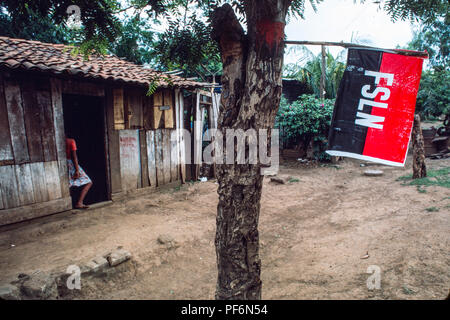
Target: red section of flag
(391,142)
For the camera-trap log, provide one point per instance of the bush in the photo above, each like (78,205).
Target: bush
(304,120)
(433,98)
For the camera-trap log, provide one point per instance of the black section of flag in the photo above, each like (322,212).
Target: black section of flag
(344,134)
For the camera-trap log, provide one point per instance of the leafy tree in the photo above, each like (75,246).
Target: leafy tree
(305,120)
(135,42)
(426,11)
(187,45)
(435,39)
(36,27)
(252,59)
(311,72)
(433,98)
(100,25)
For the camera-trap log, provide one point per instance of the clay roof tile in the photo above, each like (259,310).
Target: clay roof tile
(57,58)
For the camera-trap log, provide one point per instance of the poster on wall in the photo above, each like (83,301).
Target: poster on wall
(374,109)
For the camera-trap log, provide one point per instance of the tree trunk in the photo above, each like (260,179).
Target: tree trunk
(251,91)
(419,168)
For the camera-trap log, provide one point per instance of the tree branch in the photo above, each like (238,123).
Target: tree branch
(226,26)
(229,34)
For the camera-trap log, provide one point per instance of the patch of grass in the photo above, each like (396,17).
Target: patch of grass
(440,177)
(432,209)
(421,190)
(407,290)
(336,166)
(291,180)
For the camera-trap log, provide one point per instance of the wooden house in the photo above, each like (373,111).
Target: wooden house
(123,135)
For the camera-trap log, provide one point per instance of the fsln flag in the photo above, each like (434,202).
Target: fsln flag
(374,109)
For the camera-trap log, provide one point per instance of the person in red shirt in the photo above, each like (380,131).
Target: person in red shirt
(77,176)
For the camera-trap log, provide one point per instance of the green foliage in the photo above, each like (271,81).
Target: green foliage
(101,20)
(155,80)
(435,39)
(432,209)
(421,190)
(187,45)
(439,177)
(135,42)
(414,10)
(304,120)
(407,290)
(98,19)
(433,98)
(297,8)
(311,71)
(36,28)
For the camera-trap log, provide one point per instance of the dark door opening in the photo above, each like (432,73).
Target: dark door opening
(84,120)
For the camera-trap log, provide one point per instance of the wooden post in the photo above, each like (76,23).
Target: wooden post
(198,130)
(322,77)
(419,168)
(422,54)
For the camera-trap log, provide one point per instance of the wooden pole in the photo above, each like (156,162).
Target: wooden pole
(422,54)
(419,168)
(323,75)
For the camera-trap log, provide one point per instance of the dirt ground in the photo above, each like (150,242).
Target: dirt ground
(314,233)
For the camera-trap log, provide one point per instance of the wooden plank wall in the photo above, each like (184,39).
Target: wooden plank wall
(168,114)
(32,121)
(60,136)
(198,135)
(163,160)
(6,154)
(158,148)
(130,160)
(159,157)
(118,108)
(14,108)
(33,166)
(151,158)
(113,137)
(180,125)
(179,152)
(158,101)
(44,104)
(133,100)
(8,185)
(166,155)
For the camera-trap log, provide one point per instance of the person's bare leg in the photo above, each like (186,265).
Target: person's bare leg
(83,193)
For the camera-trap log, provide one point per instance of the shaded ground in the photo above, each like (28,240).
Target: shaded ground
(314,233)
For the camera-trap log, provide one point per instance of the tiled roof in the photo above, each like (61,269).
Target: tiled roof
(57,58)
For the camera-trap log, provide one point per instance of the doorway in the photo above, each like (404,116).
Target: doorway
(84,121)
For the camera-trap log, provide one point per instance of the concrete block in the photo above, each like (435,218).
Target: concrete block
(40,286)
(9,292)
(118,256)
(97,264)
(277,180)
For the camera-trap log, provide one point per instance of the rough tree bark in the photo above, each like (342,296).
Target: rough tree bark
(419,168)
(251,91)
